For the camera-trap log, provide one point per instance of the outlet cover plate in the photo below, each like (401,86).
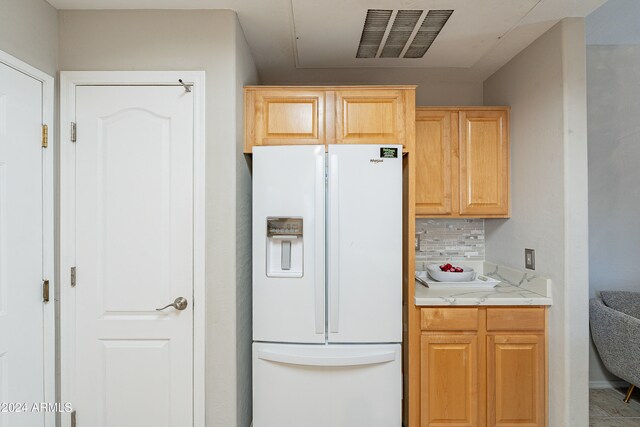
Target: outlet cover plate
(530,259)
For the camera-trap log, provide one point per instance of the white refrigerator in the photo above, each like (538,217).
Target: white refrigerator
(327,286)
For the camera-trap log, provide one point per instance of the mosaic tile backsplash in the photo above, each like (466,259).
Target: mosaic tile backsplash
(448,240)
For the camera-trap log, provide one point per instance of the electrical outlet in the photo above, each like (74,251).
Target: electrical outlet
(530,259)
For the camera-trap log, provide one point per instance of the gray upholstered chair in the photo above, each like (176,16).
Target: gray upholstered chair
(615,328)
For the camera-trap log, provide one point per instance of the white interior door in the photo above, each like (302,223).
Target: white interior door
(134,222)
(22,311)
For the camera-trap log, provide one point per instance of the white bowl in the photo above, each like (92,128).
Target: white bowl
(467,275)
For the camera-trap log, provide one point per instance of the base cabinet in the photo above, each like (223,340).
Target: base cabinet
(515,380)
(483,366)
(449,380)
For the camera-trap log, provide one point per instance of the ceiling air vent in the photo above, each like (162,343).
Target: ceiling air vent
(375,26)
(400,33)
(429,30)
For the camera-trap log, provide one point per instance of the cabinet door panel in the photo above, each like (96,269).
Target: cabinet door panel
(449,380)
(484,163)
(433,162)
(515,380)
(289,117)
(370,117)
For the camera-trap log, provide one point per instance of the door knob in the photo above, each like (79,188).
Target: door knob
(180,303)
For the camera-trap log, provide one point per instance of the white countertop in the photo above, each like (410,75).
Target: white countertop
(516,288)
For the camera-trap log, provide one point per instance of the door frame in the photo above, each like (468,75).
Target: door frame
(48,225)
(69,81)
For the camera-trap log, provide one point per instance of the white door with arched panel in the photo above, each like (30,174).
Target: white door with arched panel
(130,312)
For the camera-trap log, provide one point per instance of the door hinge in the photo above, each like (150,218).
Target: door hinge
(73,276)
(73,418)
(45,136)
(45,290)
(73,131)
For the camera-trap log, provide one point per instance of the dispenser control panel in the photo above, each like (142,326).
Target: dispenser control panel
(284,227)
(285,247)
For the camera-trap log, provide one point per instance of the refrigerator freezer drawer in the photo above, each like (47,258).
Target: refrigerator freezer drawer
(327,385)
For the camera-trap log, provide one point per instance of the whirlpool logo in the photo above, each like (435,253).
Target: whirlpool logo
(376,160)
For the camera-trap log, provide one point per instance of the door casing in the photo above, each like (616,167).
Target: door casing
(69,81)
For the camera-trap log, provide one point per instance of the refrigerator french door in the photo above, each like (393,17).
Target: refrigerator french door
(327,285)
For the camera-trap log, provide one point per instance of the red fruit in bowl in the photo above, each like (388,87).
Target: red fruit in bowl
(446,267)
(458,270)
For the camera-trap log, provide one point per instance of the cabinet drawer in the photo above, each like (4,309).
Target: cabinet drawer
(449,319)
(515,319)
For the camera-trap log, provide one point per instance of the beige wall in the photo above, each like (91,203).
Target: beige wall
(246,73)
(206,40)
(429,91)
(29,31)
(546,89)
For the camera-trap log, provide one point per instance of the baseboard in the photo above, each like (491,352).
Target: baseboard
(608,384)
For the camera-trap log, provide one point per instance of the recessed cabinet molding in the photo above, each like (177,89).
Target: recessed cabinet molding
(291,115)
(462,162)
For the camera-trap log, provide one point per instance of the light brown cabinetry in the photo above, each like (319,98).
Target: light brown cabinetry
(285,117)
(434,141)
(515,379)
(484,366)
(290,115)
(449,370)
(462,162)
(367,116)
(449,379)
(516,366)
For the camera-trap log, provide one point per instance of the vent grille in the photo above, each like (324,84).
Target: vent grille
(429,30)
(400,34)
(401,30)
(375,25)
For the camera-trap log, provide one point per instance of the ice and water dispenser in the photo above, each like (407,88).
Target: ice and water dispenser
(284,247)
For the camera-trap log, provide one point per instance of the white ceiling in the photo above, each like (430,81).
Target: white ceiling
(296,41)
(467,36)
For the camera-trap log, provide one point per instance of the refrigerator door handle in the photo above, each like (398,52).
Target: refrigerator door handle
(334,245)
(319,249)
(296,359)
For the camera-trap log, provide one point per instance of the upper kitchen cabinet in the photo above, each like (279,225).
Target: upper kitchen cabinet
(462,162)
(434,142)
(484,163)
(290,115)
(374,116)
(284,116)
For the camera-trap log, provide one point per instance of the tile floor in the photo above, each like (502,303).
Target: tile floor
(606,408)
